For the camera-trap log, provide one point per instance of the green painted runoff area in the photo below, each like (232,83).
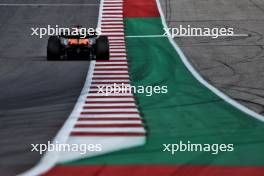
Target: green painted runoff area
(188,112)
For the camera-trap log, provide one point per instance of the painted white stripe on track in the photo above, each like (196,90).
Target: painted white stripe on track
(99,67)
(114,1)
(121,1)
(126,129)
(111,94)
(120,50)
(112,15)
(112,33)
(117,110)
(110,63)
(113,22)
(109,115)
(111,122)
(112,30)
(120,26)
(99,91)
(111,99)
(112,84)
(113,19)
(117,42)
(112,11)
(114,40)
(113,5)
(113,8)
(116,45)
(111,76)
(110,104)
(107,74)
(117,55)
(111,39)
(115,58)
(110,71)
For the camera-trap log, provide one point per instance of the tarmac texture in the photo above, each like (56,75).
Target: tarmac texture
(36,96)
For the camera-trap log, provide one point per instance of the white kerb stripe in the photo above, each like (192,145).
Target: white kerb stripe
(138,129)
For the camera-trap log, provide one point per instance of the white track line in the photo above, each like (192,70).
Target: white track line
(119,50)
(114,19)
(119,47)
(112,33)
(111,71)
(138,129)
(110,104)
(121,1)
(111,110)
(109,115)
(113,22)
(112,30)
(114,58)
(112,11)
(111,122)
(117,42)
(111,16)
(109,66)
(110,63)
(119,26)
(111,99)
(113,38)
(114,8)
(113,4)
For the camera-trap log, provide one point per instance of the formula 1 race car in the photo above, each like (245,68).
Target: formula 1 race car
(78,47)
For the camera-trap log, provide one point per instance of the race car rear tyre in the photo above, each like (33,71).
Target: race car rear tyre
(102,48)
(53,48)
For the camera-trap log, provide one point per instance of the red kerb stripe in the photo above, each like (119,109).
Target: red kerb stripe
(156,170)
(107,134)
(107,125)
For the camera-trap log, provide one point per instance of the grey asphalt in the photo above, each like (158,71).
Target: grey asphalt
(36,96)
(234,65)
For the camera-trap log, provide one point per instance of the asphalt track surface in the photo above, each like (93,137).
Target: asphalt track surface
(36,96)
(234,65)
